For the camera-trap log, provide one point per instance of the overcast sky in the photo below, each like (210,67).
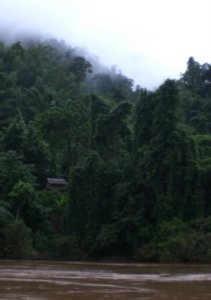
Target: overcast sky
(149,40)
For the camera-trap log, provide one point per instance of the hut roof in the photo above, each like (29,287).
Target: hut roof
(56,181)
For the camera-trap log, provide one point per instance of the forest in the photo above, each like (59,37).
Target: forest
(137,163)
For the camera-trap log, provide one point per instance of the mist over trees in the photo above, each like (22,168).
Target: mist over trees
(137,163)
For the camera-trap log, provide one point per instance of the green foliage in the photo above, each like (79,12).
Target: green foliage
(13,169)
(20,197)
(5,217)
(80,67)
(113,85)
(14,137)
(17,241)
(137,162)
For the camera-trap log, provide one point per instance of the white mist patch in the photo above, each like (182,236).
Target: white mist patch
(162,33)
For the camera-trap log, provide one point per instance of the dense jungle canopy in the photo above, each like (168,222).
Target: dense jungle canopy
(137,163)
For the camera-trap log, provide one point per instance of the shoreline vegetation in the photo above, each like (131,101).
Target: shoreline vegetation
(137,163)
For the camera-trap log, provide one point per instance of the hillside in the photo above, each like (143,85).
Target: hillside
(137,163)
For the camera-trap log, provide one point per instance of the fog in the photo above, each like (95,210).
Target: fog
(149,40)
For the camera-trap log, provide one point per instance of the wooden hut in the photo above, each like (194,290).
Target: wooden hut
(58,184)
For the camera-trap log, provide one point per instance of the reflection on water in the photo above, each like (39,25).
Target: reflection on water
(64,280)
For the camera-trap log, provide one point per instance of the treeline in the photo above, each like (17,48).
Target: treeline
(137,162)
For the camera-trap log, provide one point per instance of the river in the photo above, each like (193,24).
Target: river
(30,280)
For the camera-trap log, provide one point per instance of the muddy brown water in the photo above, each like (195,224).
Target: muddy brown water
(30,280)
